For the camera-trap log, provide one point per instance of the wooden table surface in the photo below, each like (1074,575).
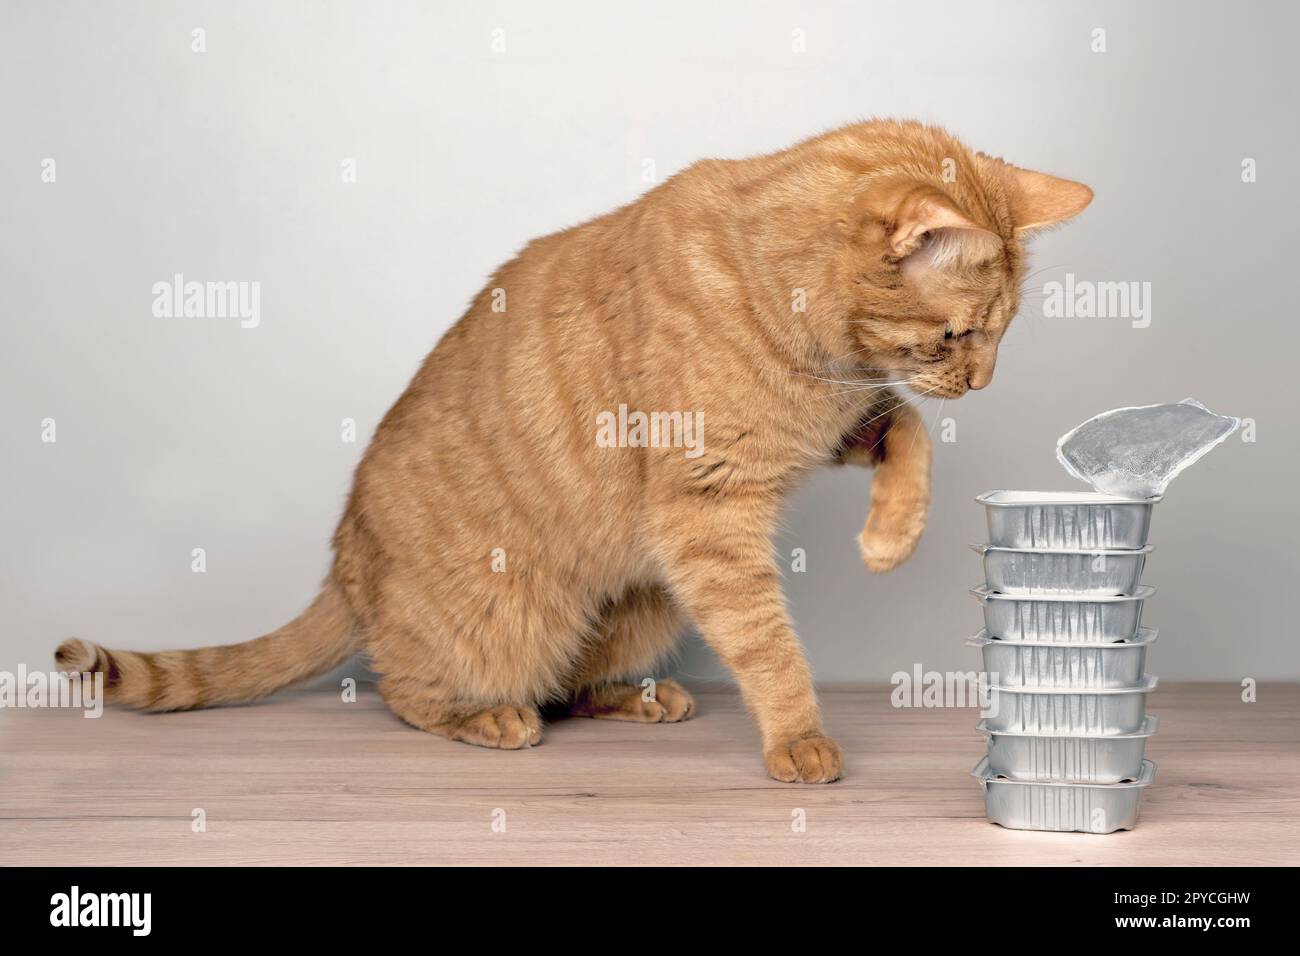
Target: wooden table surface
(305,778)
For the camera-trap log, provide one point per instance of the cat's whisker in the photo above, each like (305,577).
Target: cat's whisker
(895,407)
(849,387)
(1038,272)
(866,381)
(834,381)
(841,358)
(915,432)
(930,430)
(889,411)
(840,393)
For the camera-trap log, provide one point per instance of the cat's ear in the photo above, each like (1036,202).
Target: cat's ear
(1039,201)
(929,230)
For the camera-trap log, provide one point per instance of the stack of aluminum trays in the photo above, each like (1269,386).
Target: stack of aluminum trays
(1065,660)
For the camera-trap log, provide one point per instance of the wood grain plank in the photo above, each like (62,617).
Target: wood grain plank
(308,779)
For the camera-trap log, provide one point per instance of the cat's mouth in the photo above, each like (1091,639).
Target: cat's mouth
(927,388)
(925,382)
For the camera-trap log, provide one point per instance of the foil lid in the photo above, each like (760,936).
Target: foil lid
(1135,452)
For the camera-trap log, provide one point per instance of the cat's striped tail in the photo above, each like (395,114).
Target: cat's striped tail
(320,638)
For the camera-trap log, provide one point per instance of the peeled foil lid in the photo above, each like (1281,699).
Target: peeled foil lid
(1135,452)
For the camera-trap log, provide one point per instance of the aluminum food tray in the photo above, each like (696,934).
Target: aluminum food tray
(1078,520)
(1078,665)
(1099,712)
(1056,571)
(1062,805)
(1101,619)
(1038,757)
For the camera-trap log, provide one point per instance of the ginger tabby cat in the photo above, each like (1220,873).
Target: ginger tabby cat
(495,557)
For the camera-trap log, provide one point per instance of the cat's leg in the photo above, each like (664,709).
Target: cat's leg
(898,444)
(633,635)
(900,493)
(470,665)
(720,565)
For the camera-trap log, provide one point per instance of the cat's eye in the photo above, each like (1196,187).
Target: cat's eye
(948,333)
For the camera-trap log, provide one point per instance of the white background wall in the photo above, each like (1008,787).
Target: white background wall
(175,434)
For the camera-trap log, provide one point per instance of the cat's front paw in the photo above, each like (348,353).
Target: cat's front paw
(812,759)
(891,535)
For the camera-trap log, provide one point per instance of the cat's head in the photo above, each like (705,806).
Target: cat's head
(925,260)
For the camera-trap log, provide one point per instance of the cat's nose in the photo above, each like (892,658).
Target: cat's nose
(979,377)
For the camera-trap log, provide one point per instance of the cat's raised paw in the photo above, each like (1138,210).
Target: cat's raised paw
(505,728)
(891,535)
(814,759)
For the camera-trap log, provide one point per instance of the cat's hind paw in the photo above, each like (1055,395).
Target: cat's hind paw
(502,728)
(669,703)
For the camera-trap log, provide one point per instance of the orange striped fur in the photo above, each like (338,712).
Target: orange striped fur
(495,557)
